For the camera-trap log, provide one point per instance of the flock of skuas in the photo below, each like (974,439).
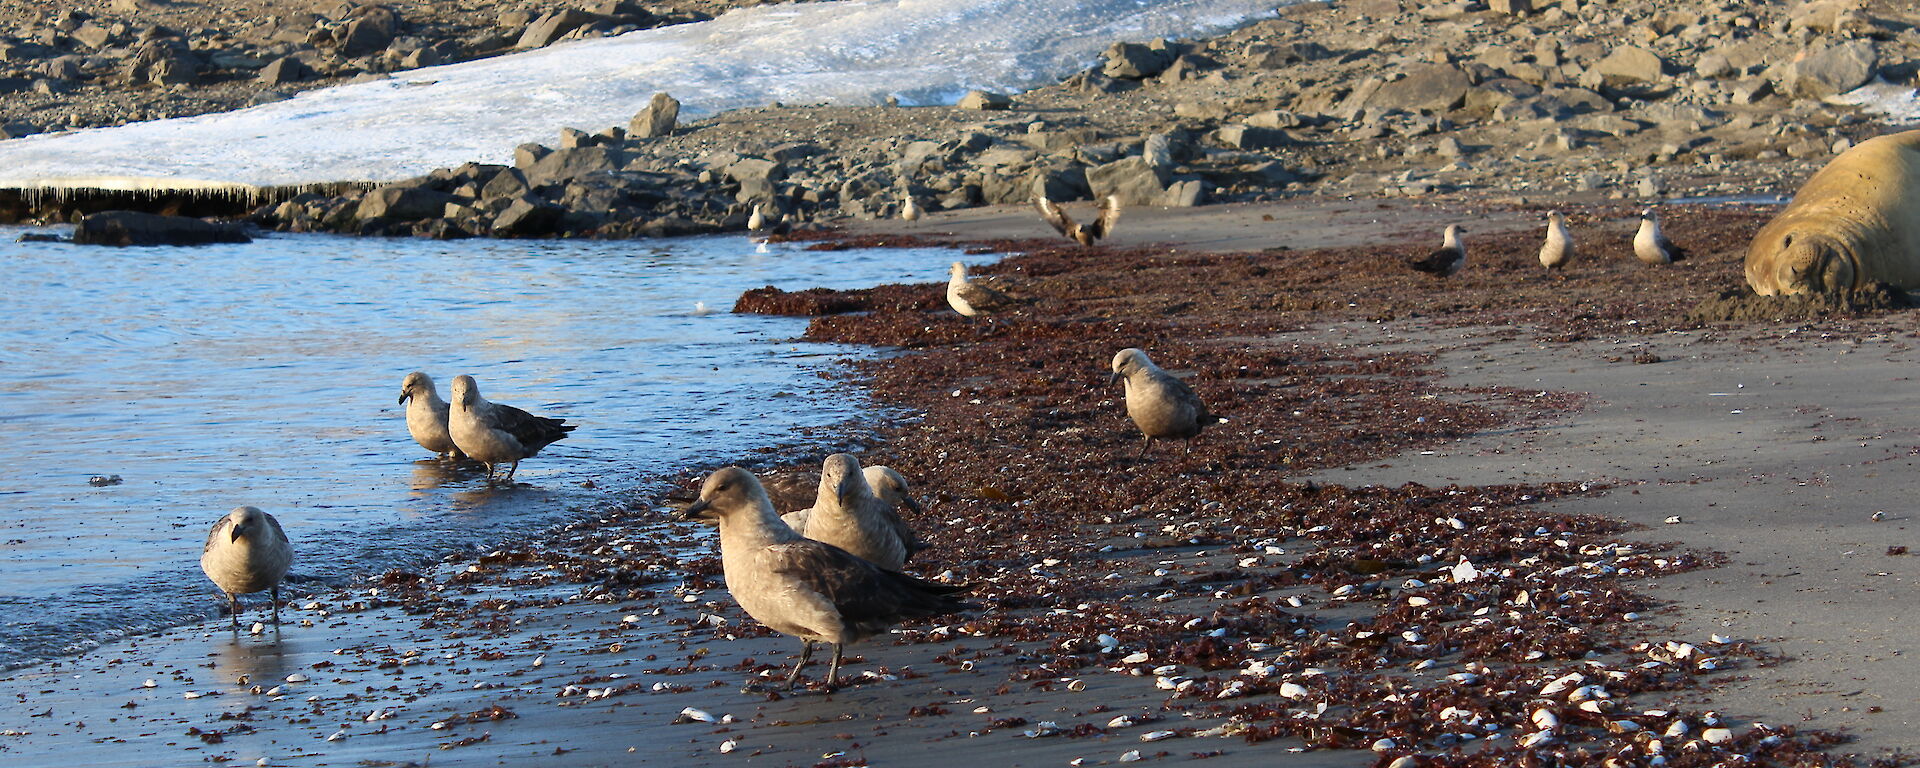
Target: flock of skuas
(1650,246)
(830,573)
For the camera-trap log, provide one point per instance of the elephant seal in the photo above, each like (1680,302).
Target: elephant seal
(1855,222)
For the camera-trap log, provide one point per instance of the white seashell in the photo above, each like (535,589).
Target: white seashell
(1419,602)
(192,695)
(1716,735)
(1158,735)
(1463,572)
(297,678)
(1426,664)
(337,735)
(1562,683)
(1673,520)
(1043,729)
(1384,745)
(1120,722)
(539,661)
(1108,642)
(1630,616)
(1137,657)
(691,713)
(1535,739)
(1595,706)
(1076,685)
(257,628)
(1295,601)
(1720,640)
(728,746)
(1404,761)
(1655,746)
(1545,720)
(1410,636)
(1130,756)
(1166,669)
(1344,590)
(1625,726)
(1677,730)
(1464,678)
(439,726)
(1232,689)
(1293,690)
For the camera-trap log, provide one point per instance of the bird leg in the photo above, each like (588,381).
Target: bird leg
(806,654)
(1145,443)
(833,670)
(276,605)
(515,467)
(233,610)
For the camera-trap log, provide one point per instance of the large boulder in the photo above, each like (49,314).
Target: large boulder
(756,177)
(363,36)
(402,202)
(984,101)
(562,164)
(283,70)
(1133,61)
(1818,73)
(1630,64)
(551,26)
(1134,180)
(526,216)
(1426,88)
(658,119)
(135,228)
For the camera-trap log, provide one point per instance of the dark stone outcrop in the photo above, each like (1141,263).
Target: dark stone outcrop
(125,228)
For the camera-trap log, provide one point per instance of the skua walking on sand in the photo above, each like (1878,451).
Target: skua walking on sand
(796,586)
(848,514)
(247,552)
(1448,259)
(1162,406)
(974,298)
(909,210)
(427,416)
(1558,250)
(1651,245)
(1088,234)
(497,434)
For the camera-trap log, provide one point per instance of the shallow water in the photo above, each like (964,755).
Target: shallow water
(267,374)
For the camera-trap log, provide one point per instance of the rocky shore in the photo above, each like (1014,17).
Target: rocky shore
(1510,101)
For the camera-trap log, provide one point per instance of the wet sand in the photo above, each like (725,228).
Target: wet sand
(1036,495)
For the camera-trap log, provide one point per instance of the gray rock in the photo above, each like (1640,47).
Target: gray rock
(14,130)
(525,155)
(1133,61)
(984,101)
(1277,118)
(756,177)
(1827,71)
(125,228)
(1132,179)
(1511,7)
(507,183)
(285,69)
(1157,150)
(1184,194)
(659,118)
(562,164)
(551,26)
(62,68)
(1426,88)
(364,36)
(92,35)
(402,202)
(1630,64)
(1276,56)
(574,138)
(526,216)
(1250,137)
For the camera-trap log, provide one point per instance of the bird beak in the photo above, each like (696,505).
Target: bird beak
(695,511)
(1113,378)
(911,504)
(233,534)
(403,396)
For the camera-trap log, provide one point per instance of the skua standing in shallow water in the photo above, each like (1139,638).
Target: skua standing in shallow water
(796,586)
(247,552)
(1558,250)
(1162,406)
(427,416)
(848,514)
(973,298)
(497,434)
(1089,234)
(1651,245)
(1448,259)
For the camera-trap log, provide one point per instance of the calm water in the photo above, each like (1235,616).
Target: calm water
(266,374)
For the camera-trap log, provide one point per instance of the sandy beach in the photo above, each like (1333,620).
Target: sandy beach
(1382,426)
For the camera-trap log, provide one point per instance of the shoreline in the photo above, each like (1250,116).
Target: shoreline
(1034,493)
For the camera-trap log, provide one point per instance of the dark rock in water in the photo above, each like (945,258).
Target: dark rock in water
(1742,305)
(41,237)
(526,216)
(1133,61)
(550,27)
(443,229)
(135,228)
(658,119)
(404,202)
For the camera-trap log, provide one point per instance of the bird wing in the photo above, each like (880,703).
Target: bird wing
(868,597)
(985,298)
(219,529)
(1053,215)
(797,520)
(1435,262)
(1109,216)
(533,432)
(1674,252)
(909,540)
(791,490)
(1183,394)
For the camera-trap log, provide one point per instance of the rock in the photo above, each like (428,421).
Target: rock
(134,228)
(1157,150)
(1277,118)
(507,183)
(526,216)
(92,35)
(1133,61)
(62,68)
(574,138)
(659,118)
(1184,194)
(402,202)
(1712,66)
(551,26)
(161,63)
(562,164)
(285,69)
(1426,88)
(525,155)
(1827,71)
(1630,64)
(14,130)
(1132,179)
(756,177)
(1285,55)
(984,101)
(1250,137)
(1511,7)
(363,36)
